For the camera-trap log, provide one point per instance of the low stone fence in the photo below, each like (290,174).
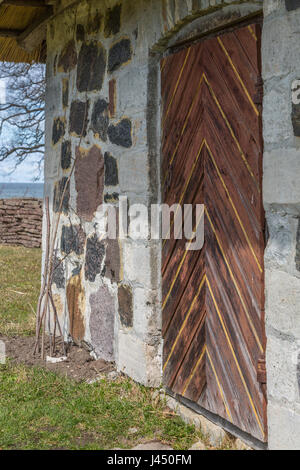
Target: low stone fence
(21,222)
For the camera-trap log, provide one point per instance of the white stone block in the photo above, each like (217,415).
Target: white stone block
(146,316)
(139,360)
(282,374)
(284,428)
(277,123)
(137,263)
(283,302)
(134,172)
(281,176)
(132,90)
(272,6)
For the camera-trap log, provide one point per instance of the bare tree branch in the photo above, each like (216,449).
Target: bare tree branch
(22,115)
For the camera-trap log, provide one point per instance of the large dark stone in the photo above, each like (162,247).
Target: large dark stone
(100,119)
(58,276)
(94,257)
(111,170)
(125,305)
(112,90)
(297,259)
(79,117)
(68,57)
(111,198)
(296,119)
(113,21)
(94,24)
(58,192)
(120,134)
(112,260)
(55,64)
(58,130)
(292,4)
(66,155)
(89,181)
(91,66)
(72,239)
(80,33)
(119,54)
(65,92)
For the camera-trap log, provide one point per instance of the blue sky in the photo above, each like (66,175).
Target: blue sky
(26,172)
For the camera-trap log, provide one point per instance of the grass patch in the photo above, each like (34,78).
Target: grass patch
(19,289)
(41,410)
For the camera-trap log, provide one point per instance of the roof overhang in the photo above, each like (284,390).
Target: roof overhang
(23,29)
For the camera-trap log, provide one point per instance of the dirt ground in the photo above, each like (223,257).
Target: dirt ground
(79,366)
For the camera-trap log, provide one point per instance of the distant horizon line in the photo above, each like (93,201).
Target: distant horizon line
(21,182)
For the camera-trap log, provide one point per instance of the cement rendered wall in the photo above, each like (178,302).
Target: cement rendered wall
(281,193)
(103,78)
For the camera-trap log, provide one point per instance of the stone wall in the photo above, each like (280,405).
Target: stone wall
(103,111)
(21,222)
(281,192)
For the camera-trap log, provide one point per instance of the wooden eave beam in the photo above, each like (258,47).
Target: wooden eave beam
(9,33)
(36,32)
(26,3)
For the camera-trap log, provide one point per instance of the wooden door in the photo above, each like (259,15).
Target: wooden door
(213,299)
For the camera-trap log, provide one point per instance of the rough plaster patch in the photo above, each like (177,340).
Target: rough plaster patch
(89,181)
(102,323)
(76,307)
